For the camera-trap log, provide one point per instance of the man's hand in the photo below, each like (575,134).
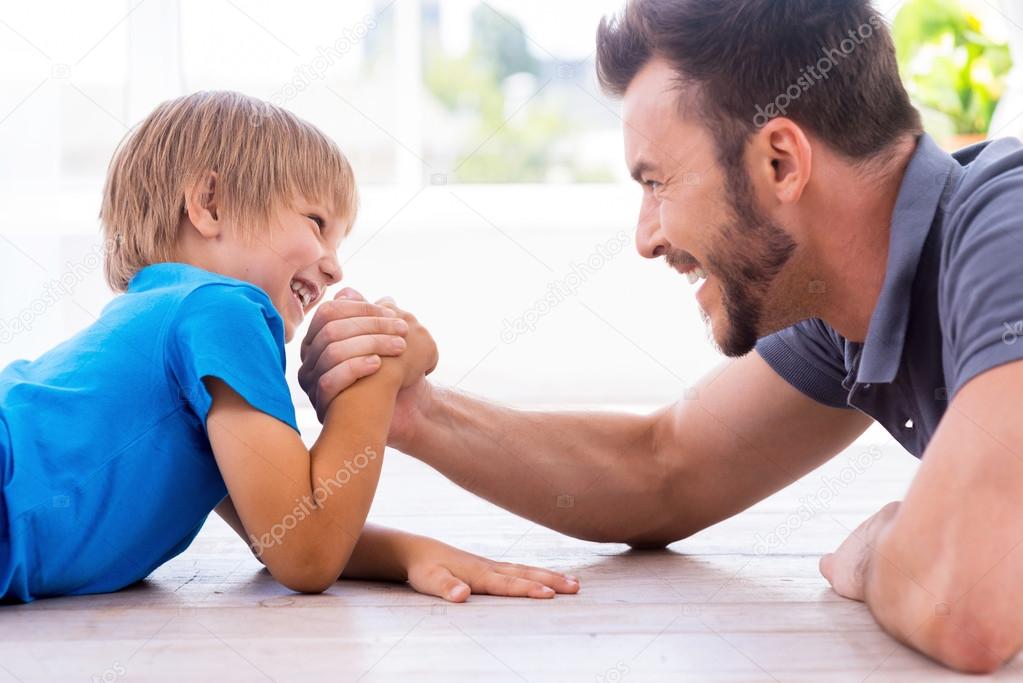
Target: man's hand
(334,356)
(846,568)
(345,341)
(420,356)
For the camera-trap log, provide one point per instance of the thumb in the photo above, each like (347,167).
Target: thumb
(825,565)
(349,293)
(389,302)
(441,582)
(456,591)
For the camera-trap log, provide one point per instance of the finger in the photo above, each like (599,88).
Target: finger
(388,302)
(345,328)
(496,583)
(349,293)
(339,378)
(342,308)
(561,583)
(439,581)
(827,565)
(338,352)
(316,364)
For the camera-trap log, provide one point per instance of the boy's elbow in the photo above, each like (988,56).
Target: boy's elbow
(307,581)
(306,573)
(310,585)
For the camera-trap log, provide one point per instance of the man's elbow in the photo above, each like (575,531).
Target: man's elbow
(976,633)
(658,539)
(972,643)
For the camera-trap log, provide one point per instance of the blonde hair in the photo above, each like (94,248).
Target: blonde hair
(264,156)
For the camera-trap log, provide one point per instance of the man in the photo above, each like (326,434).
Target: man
(875,276)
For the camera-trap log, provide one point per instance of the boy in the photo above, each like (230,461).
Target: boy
(223,216)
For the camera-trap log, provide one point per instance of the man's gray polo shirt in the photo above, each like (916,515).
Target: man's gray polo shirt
(952,302)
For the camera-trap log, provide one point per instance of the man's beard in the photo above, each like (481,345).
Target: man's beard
(750,252)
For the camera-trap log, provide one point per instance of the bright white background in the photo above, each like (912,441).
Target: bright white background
(447,227)
(465,256)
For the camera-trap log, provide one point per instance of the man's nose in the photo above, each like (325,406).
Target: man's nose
(650,241)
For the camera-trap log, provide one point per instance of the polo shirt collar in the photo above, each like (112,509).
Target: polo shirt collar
(927,176)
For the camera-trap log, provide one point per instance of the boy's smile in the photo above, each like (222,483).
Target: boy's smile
(294,260)
(305,292)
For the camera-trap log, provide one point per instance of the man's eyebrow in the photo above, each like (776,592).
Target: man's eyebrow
(639,169)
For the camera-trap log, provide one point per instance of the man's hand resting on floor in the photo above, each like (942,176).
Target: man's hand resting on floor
(846,568)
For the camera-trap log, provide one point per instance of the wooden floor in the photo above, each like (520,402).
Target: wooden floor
(740,602)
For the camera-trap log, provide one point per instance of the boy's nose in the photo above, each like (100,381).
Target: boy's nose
(331,267)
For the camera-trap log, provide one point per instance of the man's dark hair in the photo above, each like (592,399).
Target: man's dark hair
(829,65)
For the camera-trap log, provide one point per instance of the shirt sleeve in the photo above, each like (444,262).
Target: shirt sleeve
(809,358)
(233,333)
(981,288)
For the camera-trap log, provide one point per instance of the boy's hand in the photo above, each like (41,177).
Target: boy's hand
(346,339)
(323,379)
(435,568)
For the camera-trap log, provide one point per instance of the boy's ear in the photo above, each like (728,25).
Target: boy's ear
(201,206)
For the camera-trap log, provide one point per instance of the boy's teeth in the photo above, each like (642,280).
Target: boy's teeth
(302,292)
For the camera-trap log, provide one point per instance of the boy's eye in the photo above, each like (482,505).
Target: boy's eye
(319,221)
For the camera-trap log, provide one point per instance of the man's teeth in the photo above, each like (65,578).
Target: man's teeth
(695,275)
(304,294)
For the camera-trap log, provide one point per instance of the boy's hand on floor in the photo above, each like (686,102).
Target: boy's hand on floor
(435,568)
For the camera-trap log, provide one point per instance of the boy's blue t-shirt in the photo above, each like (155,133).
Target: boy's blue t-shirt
(105,464)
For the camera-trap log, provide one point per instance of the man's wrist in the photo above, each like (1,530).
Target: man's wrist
(425,410)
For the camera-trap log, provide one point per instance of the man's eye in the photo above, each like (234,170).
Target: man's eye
(652,184)
(319,221)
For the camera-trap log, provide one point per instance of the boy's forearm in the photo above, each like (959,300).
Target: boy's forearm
(347,457)
(380,555)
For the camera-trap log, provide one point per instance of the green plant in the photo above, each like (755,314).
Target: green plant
(952,70)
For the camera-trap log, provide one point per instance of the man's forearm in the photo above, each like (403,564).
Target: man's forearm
(920,597)
(590,475)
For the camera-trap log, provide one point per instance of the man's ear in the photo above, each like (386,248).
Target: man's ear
(784,159)
(201,206)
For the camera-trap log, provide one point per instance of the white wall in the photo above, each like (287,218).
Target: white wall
(615,328)
(465,258)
